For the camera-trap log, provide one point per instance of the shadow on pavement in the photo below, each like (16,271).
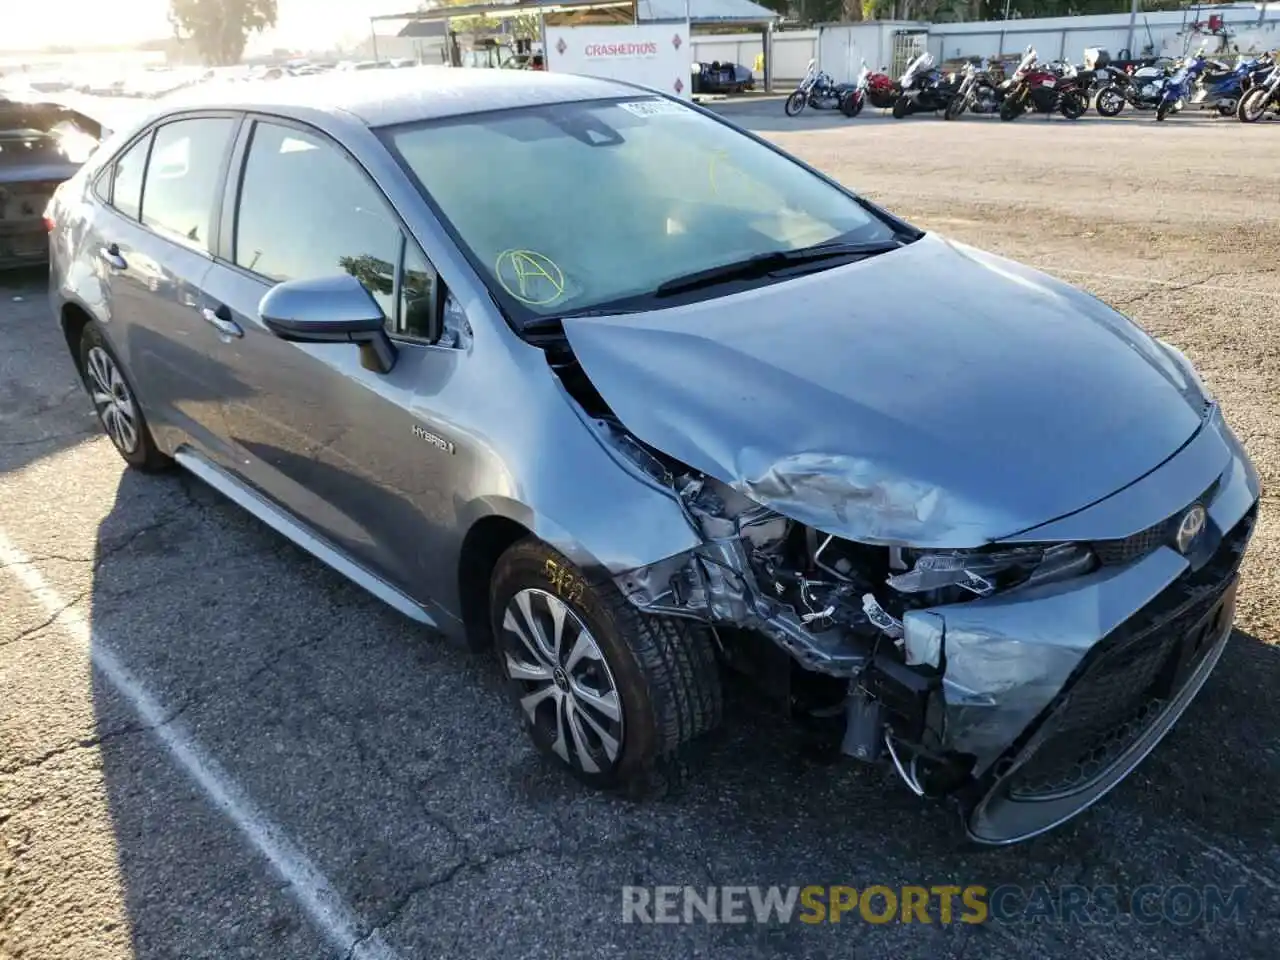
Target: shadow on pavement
(394,761)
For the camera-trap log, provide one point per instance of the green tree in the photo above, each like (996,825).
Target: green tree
(220,28)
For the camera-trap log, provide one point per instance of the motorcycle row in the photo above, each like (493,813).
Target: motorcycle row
(1247,90)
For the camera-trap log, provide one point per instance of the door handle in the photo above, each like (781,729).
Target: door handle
(111,254)
(221,319)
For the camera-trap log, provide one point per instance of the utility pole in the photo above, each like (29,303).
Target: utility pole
(1133,21)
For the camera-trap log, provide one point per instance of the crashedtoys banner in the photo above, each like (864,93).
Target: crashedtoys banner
(655,55)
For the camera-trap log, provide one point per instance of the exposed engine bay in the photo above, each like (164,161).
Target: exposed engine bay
(842,656)
(950,663)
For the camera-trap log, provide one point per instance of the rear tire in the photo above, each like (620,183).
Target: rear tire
(1252,105)
(115,401)
(1073,106)
(618,708)
(1110,101)
(796,103)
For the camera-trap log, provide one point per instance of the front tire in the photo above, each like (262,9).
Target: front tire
(1165,108)
(1252,105)
(852,104)
(611,693)
(901,107)
(1009,110)
(1110,101)
(796,103)
(955,107)
(116,403)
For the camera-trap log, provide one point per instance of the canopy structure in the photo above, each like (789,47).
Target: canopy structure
(700,12)
(697,13)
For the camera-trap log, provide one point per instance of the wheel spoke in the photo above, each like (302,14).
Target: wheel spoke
(512,625)
(579,735)
(584,647)
(99,378)
(557,609)
(101,399)
(560,745)
(109,422)
(524,602)
(128,435)
(607,740)
(606,703)
(523,670)
(530,701)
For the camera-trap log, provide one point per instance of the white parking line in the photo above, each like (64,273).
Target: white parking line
(317,896)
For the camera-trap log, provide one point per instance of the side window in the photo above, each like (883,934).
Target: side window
(307,212)
(417,317)
(184,177)
(126,185)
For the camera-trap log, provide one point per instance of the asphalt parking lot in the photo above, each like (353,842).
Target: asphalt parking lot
(212,746)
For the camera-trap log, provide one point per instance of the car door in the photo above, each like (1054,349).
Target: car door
(153,241)
(327,439)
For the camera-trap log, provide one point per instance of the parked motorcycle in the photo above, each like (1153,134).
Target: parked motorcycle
(816,90)
(922,89)
(977,93)
(855,99)
(1042,90)
(1203,84)
(1263,95)
(881,90)
(1258,73)
(1141,89)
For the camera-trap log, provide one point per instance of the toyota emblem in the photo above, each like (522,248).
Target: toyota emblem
(1189,527)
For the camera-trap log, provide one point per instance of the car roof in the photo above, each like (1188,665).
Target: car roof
(386,97)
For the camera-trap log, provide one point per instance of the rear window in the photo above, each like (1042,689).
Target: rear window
(34,134)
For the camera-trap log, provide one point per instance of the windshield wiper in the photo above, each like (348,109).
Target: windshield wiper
(763,264)
(555,324)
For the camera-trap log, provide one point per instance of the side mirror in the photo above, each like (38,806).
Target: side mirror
(332,310)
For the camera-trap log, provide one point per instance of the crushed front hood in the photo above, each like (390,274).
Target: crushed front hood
(934,396)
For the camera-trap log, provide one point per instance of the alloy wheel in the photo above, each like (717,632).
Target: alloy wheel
(113,400)
(567,694)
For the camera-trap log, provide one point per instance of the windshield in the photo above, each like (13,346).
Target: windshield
(919,63)
(1028,59)
(569,207)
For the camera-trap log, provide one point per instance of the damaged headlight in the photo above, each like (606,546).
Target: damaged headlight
(986,571)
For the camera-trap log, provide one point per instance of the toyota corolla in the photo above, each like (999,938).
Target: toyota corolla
(596,378)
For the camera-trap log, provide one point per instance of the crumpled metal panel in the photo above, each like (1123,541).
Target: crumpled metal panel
(933,396)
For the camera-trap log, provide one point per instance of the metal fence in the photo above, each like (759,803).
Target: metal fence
(907,45)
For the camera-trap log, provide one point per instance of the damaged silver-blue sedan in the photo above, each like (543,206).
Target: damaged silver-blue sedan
(596,378)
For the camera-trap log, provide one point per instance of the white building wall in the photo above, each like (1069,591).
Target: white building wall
(839,47)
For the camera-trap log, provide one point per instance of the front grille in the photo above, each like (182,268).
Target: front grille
(1128,549)
(1129,678)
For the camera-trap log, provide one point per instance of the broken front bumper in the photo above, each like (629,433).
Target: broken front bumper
(1057,693)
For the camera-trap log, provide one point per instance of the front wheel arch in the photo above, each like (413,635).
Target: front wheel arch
(485,543)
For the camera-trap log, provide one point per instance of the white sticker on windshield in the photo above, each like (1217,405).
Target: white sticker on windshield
(652,108)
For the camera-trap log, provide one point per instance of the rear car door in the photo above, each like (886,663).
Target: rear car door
(153,240)
(327,439)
